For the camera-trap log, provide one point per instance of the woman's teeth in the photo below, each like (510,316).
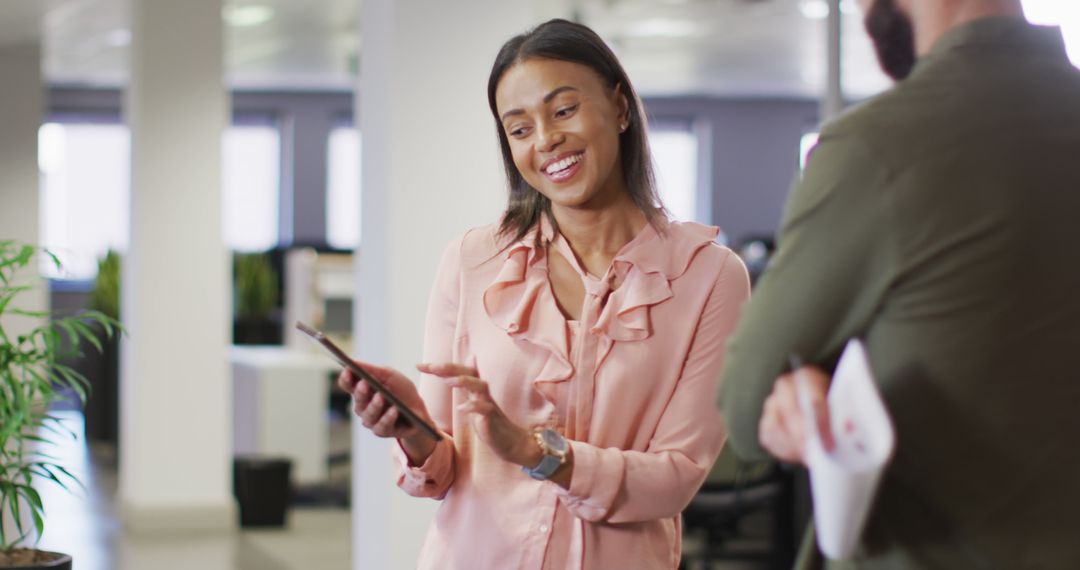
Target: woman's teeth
(563,164)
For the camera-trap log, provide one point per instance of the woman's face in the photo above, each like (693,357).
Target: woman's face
(563,127)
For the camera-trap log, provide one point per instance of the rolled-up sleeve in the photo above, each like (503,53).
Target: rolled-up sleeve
(435,476)
(622,486)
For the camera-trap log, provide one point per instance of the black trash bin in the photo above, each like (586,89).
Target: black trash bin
(262,489)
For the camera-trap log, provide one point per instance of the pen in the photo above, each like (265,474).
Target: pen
(802,392)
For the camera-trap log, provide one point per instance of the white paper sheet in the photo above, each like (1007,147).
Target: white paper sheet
(843,481)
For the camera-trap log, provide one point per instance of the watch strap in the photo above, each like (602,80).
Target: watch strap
(549,462)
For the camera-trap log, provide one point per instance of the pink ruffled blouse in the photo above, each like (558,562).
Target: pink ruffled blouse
(631,385)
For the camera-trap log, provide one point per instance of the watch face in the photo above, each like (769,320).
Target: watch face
(554,440)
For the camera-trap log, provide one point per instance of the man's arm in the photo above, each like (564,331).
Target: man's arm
(836,259)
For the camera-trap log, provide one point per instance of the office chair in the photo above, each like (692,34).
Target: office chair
(734,490)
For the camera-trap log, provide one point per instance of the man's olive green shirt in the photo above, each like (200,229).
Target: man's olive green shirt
(940,222)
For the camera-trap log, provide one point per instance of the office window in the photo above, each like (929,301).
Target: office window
(85,192)
(675,158)
(251,183)
(343,188)
(1058,13)
(85,189)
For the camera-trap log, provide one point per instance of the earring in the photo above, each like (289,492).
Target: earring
(622,127)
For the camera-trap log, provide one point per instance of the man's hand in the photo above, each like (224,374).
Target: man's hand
(783,429)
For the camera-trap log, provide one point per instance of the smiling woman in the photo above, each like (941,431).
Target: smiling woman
(572,350)
(588,89)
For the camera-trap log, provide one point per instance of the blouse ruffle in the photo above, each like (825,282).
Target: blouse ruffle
(520,300)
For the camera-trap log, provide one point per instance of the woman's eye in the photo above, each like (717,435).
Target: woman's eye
(566,111)
(518,132)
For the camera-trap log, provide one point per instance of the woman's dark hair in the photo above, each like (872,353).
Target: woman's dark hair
(566,41)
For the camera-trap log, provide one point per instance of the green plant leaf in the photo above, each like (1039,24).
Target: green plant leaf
(4,544)
(31,314)
(55,260)
(73,379)
(43,455)
(88,334)
(40,471)
(39,522)
(10,293)
(72,334)
(31,495)
(111,325)
(25,254)
(12,495)
(68,474)
(59,428)
(37,509)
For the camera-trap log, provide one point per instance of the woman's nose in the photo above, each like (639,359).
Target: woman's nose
(548,138)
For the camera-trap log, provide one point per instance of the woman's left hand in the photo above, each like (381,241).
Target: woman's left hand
(507,439)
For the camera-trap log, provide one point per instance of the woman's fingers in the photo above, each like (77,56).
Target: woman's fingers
(347,381)
(370,413)
(479,396)
(384,427)
(482,407)
(477,388)
(446,369)
(362,394)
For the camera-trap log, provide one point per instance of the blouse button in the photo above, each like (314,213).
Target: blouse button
(544,528)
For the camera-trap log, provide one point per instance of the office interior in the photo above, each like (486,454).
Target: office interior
(256,162)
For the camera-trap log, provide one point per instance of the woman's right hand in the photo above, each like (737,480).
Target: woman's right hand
(381,417)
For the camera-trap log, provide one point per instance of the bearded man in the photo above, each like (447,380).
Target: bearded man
(939,223)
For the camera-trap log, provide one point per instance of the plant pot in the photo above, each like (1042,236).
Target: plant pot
(263,490)
(60,562)
(256,331)
(102,410)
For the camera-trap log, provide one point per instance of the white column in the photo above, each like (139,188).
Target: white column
(430,170)
(832,100)
(175,456)
(21,106)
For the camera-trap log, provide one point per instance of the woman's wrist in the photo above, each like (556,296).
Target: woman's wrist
(418,448)
(529,451)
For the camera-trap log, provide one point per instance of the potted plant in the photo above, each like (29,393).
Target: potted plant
(102,369)
(255,287)
(32,378)
(106,294)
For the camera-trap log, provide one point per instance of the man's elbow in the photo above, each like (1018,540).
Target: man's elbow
(742,430)
(746,446)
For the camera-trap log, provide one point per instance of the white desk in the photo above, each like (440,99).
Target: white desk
(280,403)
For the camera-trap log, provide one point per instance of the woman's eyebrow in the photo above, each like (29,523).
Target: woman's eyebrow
(547,99)
(556,91)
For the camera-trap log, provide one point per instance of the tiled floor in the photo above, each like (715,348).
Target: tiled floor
(83,523)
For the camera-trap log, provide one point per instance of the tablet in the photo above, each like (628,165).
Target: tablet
(343,359)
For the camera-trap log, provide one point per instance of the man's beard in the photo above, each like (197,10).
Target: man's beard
(893,37)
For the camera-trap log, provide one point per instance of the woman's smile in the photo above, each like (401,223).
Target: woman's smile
(564,167)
